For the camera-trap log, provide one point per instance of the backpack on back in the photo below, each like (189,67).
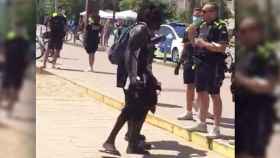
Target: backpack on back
(117,50)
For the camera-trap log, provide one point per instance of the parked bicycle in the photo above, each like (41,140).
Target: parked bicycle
(41,48)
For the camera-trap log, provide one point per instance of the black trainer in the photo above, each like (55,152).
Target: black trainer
(137,150)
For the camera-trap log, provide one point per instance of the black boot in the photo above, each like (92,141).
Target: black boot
(133,142)
(140,137)
(135,149)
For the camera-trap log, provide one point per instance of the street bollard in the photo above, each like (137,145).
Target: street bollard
(164,57)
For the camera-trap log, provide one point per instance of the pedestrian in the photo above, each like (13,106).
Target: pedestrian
(58,24)
(108,28)
(92,39)
(188,74)
(118,30)
(136,78)
(209,65)
(16,49)
(256,76)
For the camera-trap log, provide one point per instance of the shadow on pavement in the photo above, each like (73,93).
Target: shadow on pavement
(78,70)
(105,73)
(65,58)
(168,105)
(183,150)
(173,90)
(66,69)
(226,137)
(225,122)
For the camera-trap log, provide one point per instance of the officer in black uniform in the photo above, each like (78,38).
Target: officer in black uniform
(17,49)
(136,78)
(209,65)
(57,24)
(256,75)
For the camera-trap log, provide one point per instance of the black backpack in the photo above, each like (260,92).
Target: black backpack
(117,50)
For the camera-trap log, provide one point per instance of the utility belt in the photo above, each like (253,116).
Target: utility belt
(207,58)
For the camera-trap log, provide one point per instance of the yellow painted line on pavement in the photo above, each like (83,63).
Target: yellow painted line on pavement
(195,137)
(182,132)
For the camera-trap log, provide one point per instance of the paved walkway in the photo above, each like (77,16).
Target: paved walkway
(171,101)
(72,125)
(17,134)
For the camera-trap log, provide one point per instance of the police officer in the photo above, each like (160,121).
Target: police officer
(58,25)
(16,49)
(137,80)
(209,65)
(256,75)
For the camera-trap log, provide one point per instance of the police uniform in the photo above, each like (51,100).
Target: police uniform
(254,112)
(16,52)
(210,66)
(57,33)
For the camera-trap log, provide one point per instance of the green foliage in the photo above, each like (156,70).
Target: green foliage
(24,11)
(169,11)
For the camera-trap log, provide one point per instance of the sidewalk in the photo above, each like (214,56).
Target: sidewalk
(18,133)
(74,125)
(101,85)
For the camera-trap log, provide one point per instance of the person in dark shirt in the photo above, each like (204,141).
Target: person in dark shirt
(92,39)
(189,73)
(16,48)
(58,24)
(209,64)
(256,75)
(140,84)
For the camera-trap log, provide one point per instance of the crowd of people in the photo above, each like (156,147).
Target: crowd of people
(203,59)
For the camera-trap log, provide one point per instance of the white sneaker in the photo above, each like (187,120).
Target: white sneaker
(89,70)
(215,133)
(200,127)
(187,116)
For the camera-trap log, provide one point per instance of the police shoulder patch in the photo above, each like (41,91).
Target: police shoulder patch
(220,24)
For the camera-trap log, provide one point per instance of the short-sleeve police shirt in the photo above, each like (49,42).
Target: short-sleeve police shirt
(214,32)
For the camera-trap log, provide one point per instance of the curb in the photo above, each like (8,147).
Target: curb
(200,139)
